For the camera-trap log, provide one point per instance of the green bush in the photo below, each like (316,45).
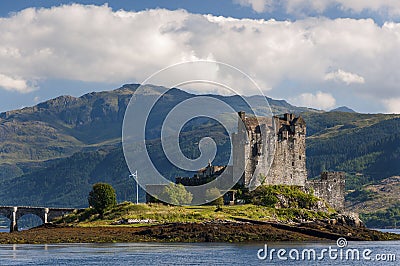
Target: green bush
(102,197)
(176,194)
(295,197)
(265,196)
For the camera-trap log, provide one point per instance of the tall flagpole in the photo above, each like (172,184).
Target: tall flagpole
(135,177)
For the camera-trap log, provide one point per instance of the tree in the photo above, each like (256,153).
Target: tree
(102,197)
(214,195)
(176,194)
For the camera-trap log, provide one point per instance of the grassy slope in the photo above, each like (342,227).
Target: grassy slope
(193,224)
(160,213)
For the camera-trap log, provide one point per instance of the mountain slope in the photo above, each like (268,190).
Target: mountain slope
(361,143)
(67,182)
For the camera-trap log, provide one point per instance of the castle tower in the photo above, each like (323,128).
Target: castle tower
(289,164)
(257,140)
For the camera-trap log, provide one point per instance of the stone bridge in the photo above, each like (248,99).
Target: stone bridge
(46,214)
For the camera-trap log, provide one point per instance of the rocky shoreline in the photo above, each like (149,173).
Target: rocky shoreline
(213,231)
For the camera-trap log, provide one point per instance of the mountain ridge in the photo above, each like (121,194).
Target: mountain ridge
(73,118)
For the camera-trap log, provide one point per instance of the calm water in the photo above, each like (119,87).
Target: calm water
(184,254)
(176,254)
(396,231)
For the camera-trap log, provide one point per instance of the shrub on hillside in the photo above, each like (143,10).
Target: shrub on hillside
(282,196)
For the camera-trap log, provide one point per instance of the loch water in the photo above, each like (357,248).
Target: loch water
(185,253)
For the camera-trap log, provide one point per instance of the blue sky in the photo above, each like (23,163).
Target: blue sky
(227,8)
(321,54)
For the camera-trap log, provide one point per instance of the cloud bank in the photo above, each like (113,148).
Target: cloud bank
(15,84)
(392,105)
(387,7)
(259,6)
(345,77)
(320,100)
(96,44)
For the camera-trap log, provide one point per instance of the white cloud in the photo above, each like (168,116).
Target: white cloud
(14,84)
(392,105)
(96,44)
(257,5)
(346,77)
(320,100)
(387,7)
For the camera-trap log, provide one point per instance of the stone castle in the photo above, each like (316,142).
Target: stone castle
(273,152)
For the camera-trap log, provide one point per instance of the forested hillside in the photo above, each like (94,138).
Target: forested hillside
(355,143)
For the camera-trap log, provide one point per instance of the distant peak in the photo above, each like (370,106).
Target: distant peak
(131,87)
(343,109)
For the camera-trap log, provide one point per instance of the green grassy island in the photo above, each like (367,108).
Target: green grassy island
(128,222)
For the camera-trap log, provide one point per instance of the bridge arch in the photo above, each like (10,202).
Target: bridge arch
(29,220)
(6,215)
(6,212)
(45,214)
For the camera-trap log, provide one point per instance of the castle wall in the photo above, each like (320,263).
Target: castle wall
(330,187)
(238,152)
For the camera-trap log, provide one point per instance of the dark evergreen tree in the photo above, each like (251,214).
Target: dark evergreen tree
(102,197)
